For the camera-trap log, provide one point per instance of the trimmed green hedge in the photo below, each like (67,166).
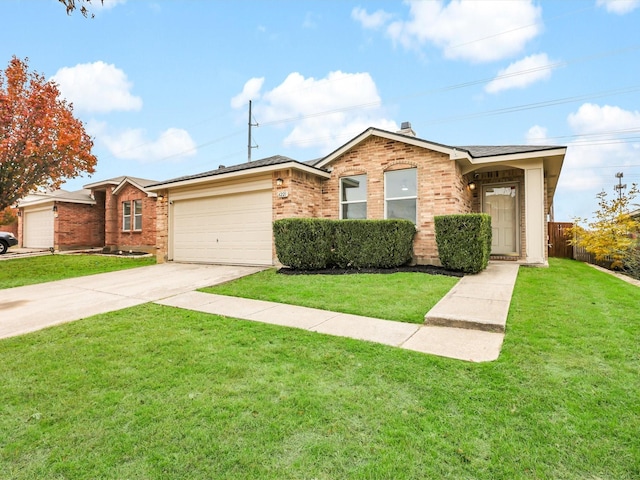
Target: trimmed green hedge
(304,243)
(464,241)
(313,244)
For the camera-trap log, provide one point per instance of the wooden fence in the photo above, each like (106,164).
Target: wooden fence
(559,241)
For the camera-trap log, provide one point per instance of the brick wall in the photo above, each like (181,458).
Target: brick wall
(162,226)
(77,226)
(441,187)
(138,240)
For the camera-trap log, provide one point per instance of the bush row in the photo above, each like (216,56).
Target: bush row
(317,243)
(464,241)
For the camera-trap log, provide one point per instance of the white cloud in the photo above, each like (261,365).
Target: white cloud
(600,148)
(374,20)
(468,29)
(97,88)
(619,7)
(107,4)
(323,110)
(537,135)
(522,73)
(250,91)
(134,144)
(311,20)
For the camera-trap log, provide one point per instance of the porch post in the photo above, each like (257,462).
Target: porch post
(534,212)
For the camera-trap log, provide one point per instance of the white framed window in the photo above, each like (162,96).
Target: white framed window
(137,214)
(132,215)
(353,197)
(126,215)
(401,194)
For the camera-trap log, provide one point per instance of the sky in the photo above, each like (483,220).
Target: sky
(163,86)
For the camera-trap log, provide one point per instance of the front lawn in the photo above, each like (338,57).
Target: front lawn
(405,297)
(159,392)
(29,270)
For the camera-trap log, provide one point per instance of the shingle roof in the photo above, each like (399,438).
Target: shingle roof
(478,151)
(263,162)
(143,182)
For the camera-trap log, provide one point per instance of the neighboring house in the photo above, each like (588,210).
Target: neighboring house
(226,215)
(128,213)
(118,214)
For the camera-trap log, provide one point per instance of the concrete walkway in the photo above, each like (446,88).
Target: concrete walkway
(467,324)
(33,307)
(476,304)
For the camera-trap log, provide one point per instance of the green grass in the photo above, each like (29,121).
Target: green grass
(27,271)
(157,392)
(405,297)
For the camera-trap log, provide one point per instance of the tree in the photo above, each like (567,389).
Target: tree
(41,143)
(612,232)
(71,6)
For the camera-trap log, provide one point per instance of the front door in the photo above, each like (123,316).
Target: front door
(501,202)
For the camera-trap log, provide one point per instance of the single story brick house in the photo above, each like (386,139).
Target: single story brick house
(117,214)
(226,215)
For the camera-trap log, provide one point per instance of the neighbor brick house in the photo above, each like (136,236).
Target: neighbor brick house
(117,214)
(225,215)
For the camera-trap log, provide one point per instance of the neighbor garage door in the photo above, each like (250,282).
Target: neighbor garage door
(38,228)
(232,229)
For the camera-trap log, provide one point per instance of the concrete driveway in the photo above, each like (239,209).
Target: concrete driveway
(33,307)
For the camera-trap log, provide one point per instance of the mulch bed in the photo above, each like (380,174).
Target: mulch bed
(430,269)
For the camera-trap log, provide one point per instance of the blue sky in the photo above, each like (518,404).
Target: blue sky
(163,86)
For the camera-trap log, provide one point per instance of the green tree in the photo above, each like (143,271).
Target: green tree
(611,234)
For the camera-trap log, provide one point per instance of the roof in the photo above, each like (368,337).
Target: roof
(78,196)
(479,151)
(143,182)
(275,160)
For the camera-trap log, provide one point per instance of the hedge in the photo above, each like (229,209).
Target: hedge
(464,241)
(314,244)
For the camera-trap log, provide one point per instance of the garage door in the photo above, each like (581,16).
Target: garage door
(38,229)
(231,229)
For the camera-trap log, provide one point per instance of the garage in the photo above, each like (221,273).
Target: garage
(230,229)
(38,228)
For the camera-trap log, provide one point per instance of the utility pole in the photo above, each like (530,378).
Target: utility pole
(620,186)
(249,143)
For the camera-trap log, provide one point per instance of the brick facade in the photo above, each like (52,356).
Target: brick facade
(441,187)
(116,238)
(77,226)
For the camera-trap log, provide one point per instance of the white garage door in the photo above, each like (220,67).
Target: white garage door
(38,229)
(231,229)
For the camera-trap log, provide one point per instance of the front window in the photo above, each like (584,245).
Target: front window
(353,197)
(132,215)
(137,214)
(401,194)
(126,216)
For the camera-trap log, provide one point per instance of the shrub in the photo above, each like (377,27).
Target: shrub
(373,243)
(304,243)
(464,241)
(632,260)
(313,244)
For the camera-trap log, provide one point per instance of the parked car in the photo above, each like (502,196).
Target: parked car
(7,240)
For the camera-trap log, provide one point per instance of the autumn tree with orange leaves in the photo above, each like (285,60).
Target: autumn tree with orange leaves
(41,143)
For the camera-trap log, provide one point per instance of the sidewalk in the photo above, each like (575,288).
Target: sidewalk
(476,304)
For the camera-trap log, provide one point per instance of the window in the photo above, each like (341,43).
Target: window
(132,215)
(353,197)
(137,214)
(401,193)
(126,216)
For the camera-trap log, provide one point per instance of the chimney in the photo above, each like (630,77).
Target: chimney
(405,129)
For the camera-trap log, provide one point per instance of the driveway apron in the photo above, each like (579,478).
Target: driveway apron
(33,307)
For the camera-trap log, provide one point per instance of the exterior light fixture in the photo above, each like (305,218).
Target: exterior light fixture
(279,181)
(55,208)
(472,185)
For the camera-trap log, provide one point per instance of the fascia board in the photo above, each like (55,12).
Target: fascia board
(240,173)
